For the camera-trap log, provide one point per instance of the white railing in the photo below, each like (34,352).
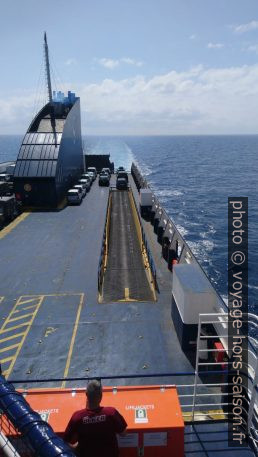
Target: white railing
(216,392)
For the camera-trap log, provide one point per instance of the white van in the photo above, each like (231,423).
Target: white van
(92,170)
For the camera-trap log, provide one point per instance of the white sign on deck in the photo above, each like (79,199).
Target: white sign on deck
(155,439)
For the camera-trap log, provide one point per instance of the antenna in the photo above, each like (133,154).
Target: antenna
(48,70)
(52,115)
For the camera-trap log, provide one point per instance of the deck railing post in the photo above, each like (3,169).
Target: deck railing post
(196,366)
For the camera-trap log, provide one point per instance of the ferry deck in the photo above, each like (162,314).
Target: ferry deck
(59,326)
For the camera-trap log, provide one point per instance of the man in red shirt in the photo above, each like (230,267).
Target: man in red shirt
(93,430)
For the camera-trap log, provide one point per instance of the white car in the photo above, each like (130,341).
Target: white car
(84,183)
(74,197)
(92,170)
(81,189)
(92,175)
(87,176)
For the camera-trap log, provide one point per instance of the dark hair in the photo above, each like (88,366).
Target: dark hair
(94,390)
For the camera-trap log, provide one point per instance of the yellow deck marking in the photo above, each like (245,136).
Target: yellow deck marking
(13,328)
(7,348)
(28,300)
(38,299)
(20,317)
(215,414)
(24,308)
(11,337)
(14,224)
(127,293)
(62,204)
(6,360)
(68,361)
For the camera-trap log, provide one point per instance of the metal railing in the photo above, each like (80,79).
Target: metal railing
(145,246)
(104,245)
(222,395)
(176,240)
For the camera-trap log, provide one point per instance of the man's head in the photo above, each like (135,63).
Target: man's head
(94,393)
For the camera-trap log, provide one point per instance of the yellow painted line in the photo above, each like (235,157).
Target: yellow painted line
(1,299)
(11,337)
(40,300)
(215,414)
(141,244)
(62,204)
(68,361)
(28,300)
(48,295)
(20,317)
(7,348)
(13,328)
(127,296)
(127,293)
(14,224)
(6,360)
(24,309)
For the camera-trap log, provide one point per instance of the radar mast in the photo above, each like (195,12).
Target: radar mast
(52,112)
(48,70)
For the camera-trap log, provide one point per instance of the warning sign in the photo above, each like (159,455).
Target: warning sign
(141,416)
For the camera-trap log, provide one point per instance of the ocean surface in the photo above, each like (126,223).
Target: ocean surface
(193,176)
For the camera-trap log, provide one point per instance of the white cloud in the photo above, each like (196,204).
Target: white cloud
(111,63)
(130,61)
(242,28)
(215,45)
(192,37)
(69,62)
(108,63)
(197,101)
(253,48)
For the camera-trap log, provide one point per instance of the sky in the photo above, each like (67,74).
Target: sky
(140,67)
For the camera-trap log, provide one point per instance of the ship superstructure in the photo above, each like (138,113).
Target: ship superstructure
(50,159)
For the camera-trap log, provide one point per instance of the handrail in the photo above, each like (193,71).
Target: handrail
(142,183)
(37,434)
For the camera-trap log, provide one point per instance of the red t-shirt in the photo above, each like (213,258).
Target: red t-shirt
(95,430)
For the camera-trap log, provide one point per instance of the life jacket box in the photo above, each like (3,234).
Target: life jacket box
(192,294)
(153,414)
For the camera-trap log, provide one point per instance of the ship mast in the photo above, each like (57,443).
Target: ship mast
(48,70)
(50,98)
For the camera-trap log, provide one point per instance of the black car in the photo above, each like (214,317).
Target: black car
(104,179)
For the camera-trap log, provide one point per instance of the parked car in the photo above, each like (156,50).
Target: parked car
(122,174)
(106,170)
(74,197)
(5,177)
(9,209)
(104,179)
(122,180)
(92,175)
(87,176)
(81,189)
(92,170)
(85,183)
(120,169)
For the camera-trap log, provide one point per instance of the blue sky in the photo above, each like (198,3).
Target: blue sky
(140,67)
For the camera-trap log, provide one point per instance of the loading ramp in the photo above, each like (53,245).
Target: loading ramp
(126,272)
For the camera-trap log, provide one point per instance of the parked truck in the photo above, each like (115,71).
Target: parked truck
(145,202)
(9,209)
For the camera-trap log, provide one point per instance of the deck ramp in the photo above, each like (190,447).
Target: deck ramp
(125,278)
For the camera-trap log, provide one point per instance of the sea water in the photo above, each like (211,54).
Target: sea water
(193,176)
